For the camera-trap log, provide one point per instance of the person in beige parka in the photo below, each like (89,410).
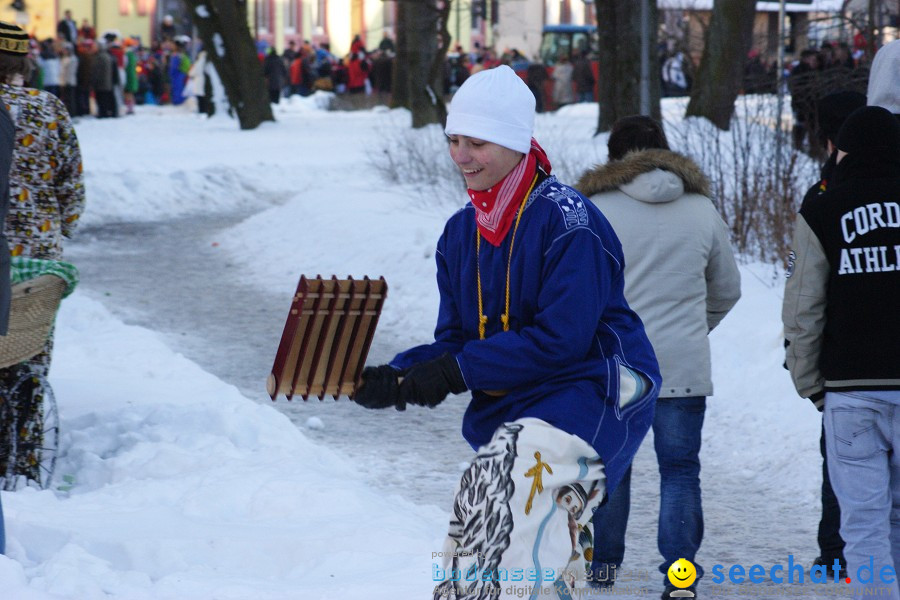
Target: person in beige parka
(682,279)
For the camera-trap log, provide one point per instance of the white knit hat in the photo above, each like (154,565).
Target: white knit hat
(496,106)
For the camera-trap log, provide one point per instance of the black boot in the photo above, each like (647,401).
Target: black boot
(828,563)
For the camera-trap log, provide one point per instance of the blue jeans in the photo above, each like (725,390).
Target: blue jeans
(831,545)
(2,532)
(677,424)
(862,433)
(610,522)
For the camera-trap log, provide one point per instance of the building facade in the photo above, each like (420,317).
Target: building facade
(279,22)
(127,17)
(501,24)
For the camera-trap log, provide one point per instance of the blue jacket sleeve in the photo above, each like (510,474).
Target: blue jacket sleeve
(574,292)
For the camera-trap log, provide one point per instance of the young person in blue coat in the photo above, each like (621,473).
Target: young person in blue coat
(533,321)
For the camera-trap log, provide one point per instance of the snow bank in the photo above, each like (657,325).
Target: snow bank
(183,488)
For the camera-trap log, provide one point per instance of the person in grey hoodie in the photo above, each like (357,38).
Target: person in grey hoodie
(884,81)
(682,279)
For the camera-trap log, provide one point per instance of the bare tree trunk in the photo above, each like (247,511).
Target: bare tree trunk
(223,28)
(400,68)
(436,71)
(721,71)
(620,61)
(871,44)
(420,65)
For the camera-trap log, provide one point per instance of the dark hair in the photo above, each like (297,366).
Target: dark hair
(809,53)
(635,133)
(10,66)
(832,110)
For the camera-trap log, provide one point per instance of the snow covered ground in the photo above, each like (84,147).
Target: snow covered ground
(178,486)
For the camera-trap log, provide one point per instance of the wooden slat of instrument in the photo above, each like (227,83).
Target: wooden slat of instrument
(327,336)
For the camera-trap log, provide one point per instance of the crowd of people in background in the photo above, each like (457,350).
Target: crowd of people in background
(572,78)
(309,67)
(106,75)
(818,72)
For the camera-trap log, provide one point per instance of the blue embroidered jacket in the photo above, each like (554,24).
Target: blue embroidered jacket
(569,329)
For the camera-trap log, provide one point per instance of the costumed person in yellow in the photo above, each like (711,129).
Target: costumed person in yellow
(46,197)
(533,321)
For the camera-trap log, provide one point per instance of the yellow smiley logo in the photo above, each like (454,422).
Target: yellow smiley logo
(682,573)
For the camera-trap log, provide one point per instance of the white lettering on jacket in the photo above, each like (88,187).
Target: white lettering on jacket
(872,259)
(863,219)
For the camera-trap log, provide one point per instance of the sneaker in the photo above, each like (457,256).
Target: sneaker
(673,593)
(822,561)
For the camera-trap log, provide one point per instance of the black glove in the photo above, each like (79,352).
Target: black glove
(380,388)
(428,383)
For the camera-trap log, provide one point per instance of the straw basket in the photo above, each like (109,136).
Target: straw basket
(31,316)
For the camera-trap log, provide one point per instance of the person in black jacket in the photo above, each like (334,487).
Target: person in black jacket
(276,75)
(583,77)
(831,112)
(67,28)
(536,76)
(804,84)
(841,326)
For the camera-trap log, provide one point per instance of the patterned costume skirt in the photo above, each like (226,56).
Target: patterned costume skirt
(27,400)
(520,527)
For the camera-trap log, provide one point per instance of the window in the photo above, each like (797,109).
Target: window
(553,45)
(357,19)
(565,12)
(264,15)
(322,15)
(390,15)
(479,9)
(292,16)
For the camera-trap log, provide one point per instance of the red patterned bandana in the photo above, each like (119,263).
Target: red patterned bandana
(496,207)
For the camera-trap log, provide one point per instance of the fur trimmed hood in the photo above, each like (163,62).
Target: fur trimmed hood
(613,175)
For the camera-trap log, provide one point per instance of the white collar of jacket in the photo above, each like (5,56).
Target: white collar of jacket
(626,174)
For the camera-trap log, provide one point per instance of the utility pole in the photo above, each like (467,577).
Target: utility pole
(779,91)
(645,58)
(488,24)
(458,9)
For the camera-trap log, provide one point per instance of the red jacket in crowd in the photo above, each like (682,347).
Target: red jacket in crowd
(357,72)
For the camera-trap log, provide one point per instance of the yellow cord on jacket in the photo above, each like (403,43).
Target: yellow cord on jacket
(504,318)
